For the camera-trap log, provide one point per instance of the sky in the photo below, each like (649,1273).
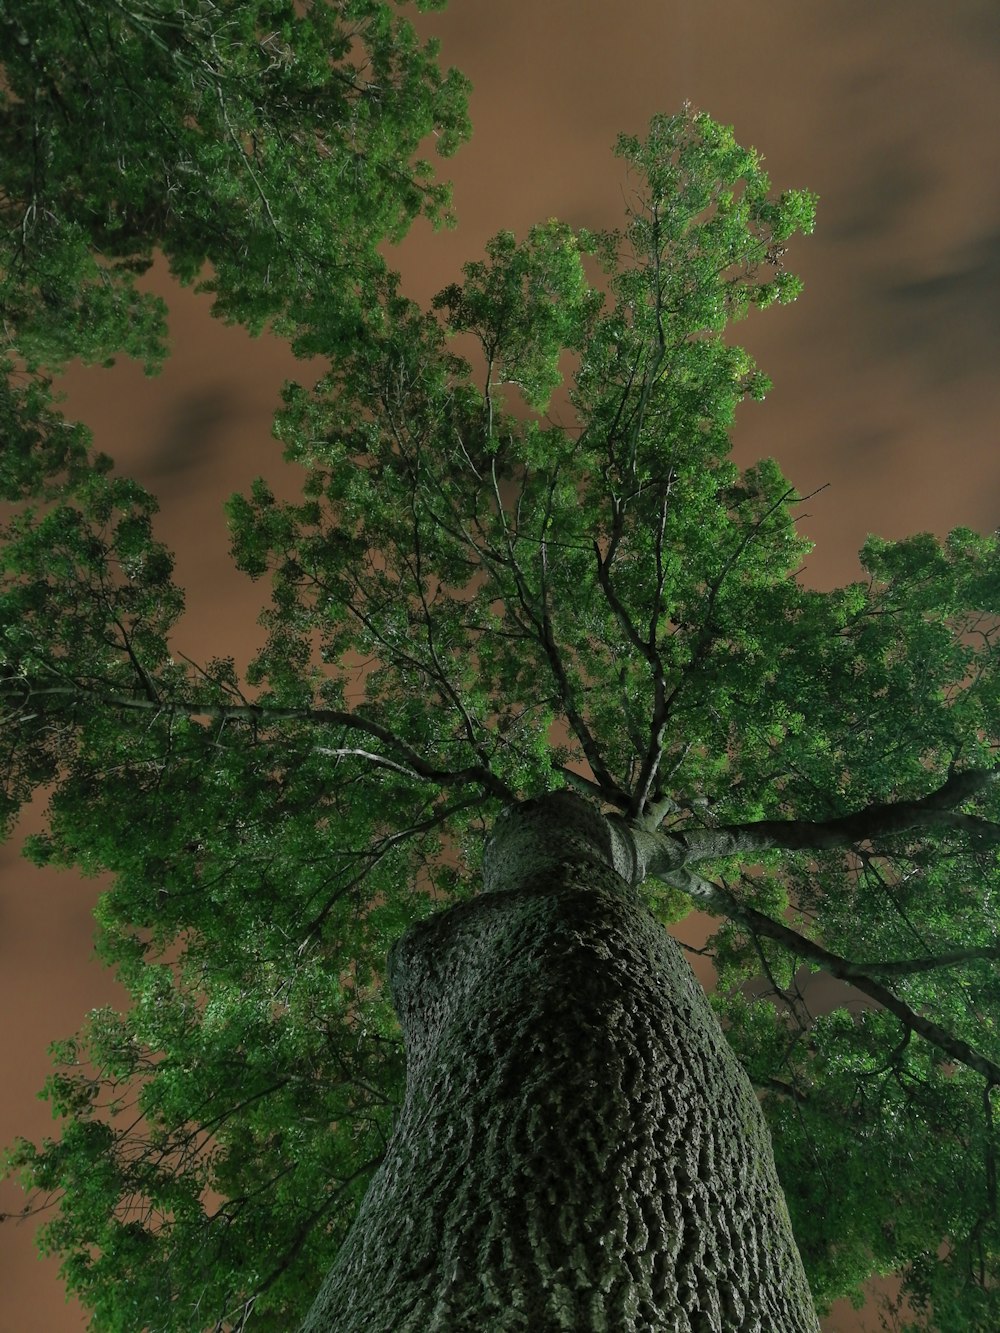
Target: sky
(886,390)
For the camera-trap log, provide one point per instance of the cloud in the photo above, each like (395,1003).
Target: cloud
(949,320)
(188,435)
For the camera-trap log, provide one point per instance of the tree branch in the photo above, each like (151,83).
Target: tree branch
(646,647)
(934,811)
(264,713)
(903,967)
(720,901)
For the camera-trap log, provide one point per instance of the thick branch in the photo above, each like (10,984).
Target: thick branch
(905,966)
(721,901)
(265,714)
(550,645)
(647,648)
(934,811)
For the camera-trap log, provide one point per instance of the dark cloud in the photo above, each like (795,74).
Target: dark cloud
(950,320)
(188,434)
(888,187)
(978,23)
(865,447)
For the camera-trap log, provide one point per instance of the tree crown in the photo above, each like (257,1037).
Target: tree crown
(470,604)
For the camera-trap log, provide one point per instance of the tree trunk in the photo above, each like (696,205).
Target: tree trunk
(578,1148)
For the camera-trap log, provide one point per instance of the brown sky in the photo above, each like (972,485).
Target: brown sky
(885,372)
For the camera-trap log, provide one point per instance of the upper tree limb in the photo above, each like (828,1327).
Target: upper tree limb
(935,811)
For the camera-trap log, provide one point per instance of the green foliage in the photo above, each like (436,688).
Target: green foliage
(271,143)
(469,604)
(43,453)
(885,1148)
(526,307)
(884,1152)
(222,1131)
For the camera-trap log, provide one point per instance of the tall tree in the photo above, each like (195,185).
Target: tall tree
(529,692)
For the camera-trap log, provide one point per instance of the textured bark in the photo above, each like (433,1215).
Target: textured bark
(578,1148)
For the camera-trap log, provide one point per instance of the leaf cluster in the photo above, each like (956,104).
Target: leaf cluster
(268,144)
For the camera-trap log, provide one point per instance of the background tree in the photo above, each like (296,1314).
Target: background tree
(469,608)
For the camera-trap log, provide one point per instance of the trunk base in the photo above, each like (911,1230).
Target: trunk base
(578,1149)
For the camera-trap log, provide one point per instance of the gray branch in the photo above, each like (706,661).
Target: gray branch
(934,811)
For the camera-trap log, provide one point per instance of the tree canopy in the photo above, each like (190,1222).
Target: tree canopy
(469,605)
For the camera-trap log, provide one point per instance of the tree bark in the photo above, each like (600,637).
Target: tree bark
(578,1148)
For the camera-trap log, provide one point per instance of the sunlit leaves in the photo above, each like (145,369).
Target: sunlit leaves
(527,304)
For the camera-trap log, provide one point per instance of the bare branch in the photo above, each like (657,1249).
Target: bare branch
(379,760)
